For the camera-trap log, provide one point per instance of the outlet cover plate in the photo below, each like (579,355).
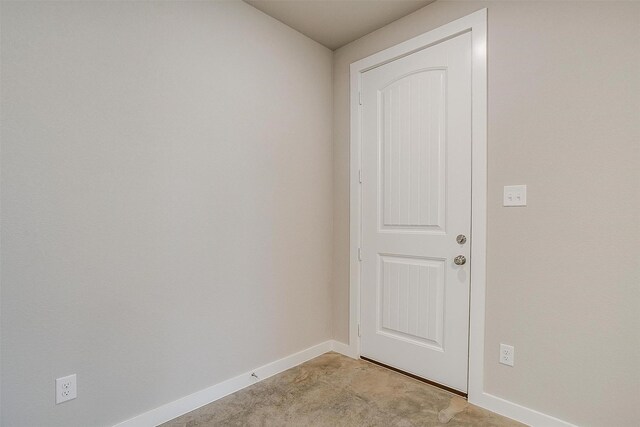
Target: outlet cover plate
(66,388)
(507,354)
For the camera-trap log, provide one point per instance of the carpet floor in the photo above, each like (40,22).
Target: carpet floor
(334,390)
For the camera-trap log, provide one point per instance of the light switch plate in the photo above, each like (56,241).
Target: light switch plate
(515,195)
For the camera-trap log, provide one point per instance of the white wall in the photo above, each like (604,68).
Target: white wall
(166,202)
(166,194)
(563,273)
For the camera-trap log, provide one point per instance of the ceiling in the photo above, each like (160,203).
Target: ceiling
(335,23)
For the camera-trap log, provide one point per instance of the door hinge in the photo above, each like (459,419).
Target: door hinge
(359,330)
(360,98)
(360,176)
(359,254)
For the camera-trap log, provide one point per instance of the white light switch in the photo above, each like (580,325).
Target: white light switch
(515,195)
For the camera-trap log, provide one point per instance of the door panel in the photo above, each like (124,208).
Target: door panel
(416,198)
(412,156)
(404,283)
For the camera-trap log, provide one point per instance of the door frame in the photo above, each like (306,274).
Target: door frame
(476,24)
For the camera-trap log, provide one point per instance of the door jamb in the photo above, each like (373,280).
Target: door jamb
(476,24)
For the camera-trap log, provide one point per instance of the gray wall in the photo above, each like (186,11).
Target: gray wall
(166,202)
(563,273)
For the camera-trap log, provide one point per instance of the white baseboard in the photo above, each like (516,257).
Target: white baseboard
(344,349)
(517,412)
(203,397)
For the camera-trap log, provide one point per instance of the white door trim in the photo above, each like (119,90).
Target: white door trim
(476,23)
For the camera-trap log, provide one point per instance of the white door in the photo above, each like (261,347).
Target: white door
(416,200)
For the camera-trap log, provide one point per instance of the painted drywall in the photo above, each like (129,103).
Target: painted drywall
(563,273)
(166,202)
(336,23)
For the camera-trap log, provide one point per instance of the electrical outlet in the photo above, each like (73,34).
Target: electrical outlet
(507,354)
(66,388)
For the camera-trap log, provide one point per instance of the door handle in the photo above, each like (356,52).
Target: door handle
(460,260)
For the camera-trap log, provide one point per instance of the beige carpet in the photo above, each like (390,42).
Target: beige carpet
(334,390)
